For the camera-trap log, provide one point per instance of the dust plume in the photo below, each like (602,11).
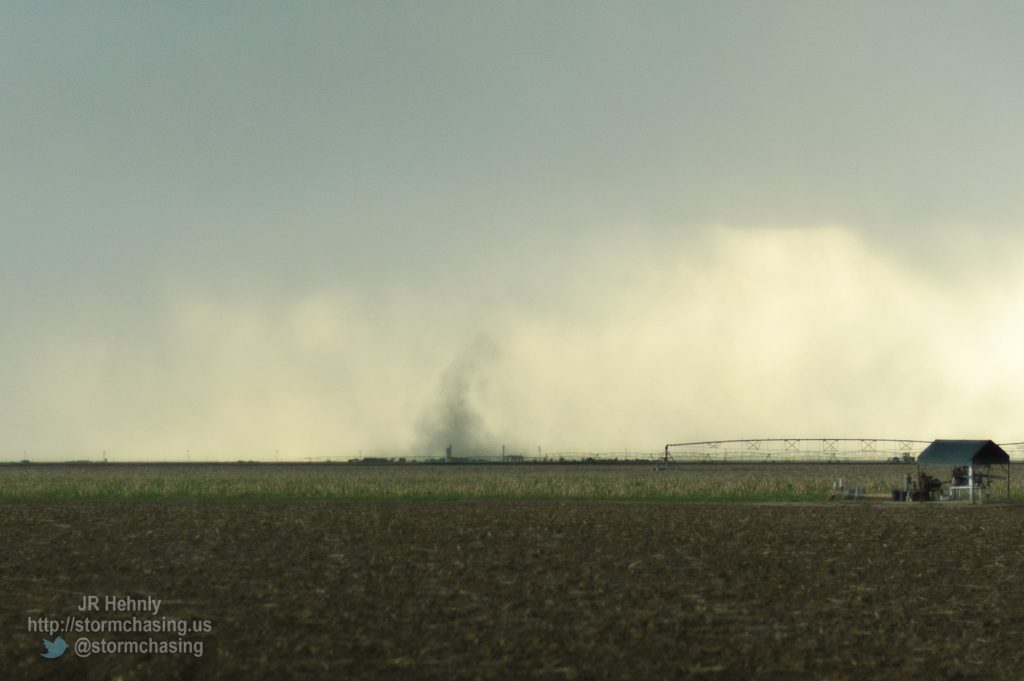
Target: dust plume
(455,420)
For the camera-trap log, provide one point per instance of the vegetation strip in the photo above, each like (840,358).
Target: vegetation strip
(679,483)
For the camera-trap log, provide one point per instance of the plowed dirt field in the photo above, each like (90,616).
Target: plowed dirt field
(522,590)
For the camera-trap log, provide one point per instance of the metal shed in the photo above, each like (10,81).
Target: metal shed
(970,454)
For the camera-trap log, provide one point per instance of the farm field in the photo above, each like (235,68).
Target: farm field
(694,482)
(533,589)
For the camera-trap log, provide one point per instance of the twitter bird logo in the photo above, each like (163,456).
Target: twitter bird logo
(54,648)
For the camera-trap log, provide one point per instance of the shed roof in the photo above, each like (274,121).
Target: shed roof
(963,453)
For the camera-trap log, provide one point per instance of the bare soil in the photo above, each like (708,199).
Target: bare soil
(526,590)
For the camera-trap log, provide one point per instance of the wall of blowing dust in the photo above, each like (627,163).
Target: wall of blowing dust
(734,333)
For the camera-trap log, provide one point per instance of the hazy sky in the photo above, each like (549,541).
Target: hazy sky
(324,228)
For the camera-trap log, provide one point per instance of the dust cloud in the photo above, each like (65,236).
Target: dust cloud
(733,333)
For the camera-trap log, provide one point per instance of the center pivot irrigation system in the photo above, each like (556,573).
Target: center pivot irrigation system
(819,449)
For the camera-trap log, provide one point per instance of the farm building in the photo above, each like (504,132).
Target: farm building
(970,461)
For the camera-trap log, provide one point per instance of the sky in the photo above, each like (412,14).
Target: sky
(250,230)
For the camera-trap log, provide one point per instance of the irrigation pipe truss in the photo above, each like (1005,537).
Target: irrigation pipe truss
(831,449)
